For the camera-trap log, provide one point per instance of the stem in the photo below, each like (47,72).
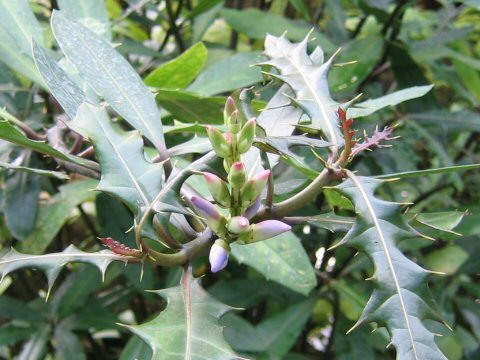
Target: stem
(173,24)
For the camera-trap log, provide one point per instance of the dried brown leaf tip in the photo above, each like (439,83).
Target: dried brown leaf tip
(119,248)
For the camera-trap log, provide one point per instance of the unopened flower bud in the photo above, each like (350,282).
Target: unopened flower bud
(252,210)
(219,144)
(237,175)
(238,225)
(229,110)
(218,256)
(214,219)
(246,136)
(254,187)
(268,229)
(218,188)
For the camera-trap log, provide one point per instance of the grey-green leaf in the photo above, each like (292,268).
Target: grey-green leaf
(188,328)
(400,299)
(126,173)
(111,76)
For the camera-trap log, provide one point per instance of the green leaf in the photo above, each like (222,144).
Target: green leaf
(352,346)
(52,264)
(237,69)
(444,221)
(179,72)
(281,259)
(274,336)
(53,215)
(136,349)
(12,134)
(21,203)
(63,88)
(49,173)
(447,260)
(111,76)
(256,24)
(307,75)
(36,346)
(189,107)
(188,328)
(347,78)
(301,7)
(12,56)
(370,106)
(10,334)
(443,170)
(18,20)
(11,308)
(203,6)
(401,299)
(125,171)
(196,145)
(465,120)
(92,13)
(68,347)
(329,221)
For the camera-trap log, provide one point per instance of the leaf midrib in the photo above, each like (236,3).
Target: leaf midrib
(317,99)
(387,254)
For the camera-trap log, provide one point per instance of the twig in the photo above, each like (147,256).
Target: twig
(173,25)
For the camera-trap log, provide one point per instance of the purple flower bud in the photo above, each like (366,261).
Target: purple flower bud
(230,108)
(268,229)
(218,255)
(238,225)
(218,188)
(209,213)
(252,210)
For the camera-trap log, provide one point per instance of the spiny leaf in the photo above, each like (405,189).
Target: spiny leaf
(52,264)
(188,328)
(401,298)
(111,76)
(307,75)
(125,171)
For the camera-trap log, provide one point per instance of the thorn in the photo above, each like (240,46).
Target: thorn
(357,324)
(441,273)
(388,345)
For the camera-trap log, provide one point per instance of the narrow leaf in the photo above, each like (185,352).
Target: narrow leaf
(49,173)
(443,170)
(111,76)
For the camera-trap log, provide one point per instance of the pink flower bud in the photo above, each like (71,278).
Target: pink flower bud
(218,256)
(268,229)
(238,225)
(209,213)
(218,188)
(237,175)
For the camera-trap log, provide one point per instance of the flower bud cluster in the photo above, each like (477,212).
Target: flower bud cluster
(240,194)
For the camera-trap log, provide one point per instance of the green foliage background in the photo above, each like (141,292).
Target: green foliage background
(396,45)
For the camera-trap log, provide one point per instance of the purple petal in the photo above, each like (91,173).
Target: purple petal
(218,258)
(268,229)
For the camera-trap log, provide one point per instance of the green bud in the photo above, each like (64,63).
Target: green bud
(237,175)
(246,136)
(230,108)
(219,144)
(238,225)
(254,187)
(218,188)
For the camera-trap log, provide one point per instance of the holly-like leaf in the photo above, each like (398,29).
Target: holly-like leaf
(401,299)
(188,328)
(52,264)
(125,171)
(307,76)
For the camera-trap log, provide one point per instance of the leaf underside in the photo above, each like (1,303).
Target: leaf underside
(401,298)
(188,328)
(307,76)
